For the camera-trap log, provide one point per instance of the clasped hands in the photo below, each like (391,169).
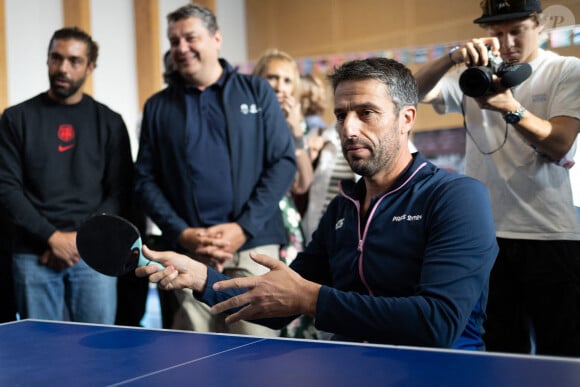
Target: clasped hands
(213,245)
(279,293)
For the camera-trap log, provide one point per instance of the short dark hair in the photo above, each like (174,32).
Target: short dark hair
(195,10)
(401,84)
(80,35)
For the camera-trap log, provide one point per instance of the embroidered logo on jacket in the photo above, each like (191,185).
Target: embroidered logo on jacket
(66,134)
(339,224)
(408,218)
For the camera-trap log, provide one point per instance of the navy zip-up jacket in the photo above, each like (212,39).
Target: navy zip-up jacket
(261,152)
(416,273)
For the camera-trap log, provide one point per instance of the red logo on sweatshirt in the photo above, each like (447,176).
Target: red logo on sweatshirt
(66,134)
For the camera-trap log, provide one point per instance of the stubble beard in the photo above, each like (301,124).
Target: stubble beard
(381,156)
(65,92)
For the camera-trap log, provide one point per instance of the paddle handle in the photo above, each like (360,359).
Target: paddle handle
(145,262)
(142,260)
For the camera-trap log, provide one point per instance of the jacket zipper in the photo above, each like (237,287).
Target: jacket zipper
(362,238)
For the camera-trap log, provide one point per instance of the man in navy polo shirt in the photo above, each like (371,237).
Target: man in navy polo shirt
(215,158)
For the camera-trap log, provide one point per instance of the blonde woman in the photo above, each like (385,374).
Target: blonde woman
(281,71)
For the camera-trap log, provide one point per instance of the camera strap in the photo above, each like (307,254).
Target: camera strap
(505,135)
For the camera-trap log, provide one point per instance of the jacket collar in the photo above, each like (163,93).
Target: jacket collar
(417,169)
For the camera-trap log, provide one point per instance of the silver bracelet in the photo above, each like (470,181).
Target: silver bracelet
(451,51)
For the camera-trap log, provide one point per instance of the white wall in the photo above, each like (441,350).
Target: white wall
(115,78)
(232,21)
(29,26)
(31,23)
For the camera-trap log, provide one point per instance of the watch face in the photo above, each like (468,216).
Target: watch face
(512,118)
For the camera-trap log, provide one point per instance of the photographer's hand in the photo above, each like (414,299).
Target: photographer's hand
(471,53)
(501,100)
(475,52)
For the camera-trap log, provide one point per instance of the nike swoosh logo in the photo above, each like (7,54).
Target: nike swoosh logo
(64,148)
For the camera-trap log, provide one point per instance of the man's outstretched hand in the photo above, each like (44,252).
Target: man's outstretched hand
(180,270)
(278,293)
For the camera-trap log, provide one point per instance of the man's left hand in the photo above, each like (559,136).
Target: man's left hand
(278,293)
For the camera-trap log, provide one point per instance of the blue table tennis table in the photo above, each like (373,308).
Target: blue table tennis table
(48,353)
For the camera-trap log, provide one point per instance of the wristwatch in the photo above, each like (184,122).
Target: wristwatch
(514,117)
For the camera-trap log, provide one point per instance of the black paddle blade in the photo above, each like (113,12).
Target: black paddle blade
(109,244)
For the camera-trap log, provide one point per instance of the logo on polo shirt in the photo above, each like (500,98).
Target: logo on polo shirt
(249,109)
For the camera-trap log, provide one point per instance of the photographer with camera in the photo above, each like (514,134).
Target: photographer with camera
(521,119)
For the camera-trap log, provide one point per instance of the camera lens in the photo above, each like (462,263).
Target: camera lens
(476,81)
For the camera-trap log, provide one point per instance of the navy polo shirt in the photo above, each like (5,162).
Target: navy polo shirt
(208,153)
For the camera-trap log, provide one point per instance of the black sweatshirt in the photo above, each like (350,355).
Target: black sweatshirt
(60,164)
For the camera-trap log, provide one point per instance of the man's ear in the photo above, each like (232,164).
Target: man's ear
(91,67)
(407,118)
(218,38)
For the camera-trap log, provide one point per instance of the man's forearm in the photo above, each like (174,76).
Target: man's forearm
(428,75)
(554,137)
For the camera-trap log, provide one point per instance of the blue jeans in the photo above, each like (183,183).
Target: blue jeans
(43,293)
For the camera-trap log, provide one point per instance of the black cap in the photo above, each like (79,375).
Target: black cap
(501,10)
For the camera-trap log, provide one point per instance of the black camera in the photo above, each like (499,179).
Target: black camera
(478,81)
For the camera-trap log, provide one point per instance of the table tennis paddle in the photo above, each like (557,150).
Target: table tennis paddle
(111,245)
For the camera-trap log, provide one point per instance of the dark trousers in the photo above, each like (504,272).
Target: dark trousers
(131,299)
(7,296)
(534,294)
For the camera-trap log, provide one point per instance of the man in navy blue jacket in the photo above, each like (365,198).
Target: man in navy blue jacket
(401,257)
(215,158)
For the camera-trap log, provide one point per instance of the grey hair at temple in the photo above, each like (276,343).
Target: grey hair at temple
(401,84)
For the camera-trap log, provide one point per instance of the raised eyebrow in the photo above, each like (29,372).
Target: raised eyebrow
(361,106)
(366,106)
